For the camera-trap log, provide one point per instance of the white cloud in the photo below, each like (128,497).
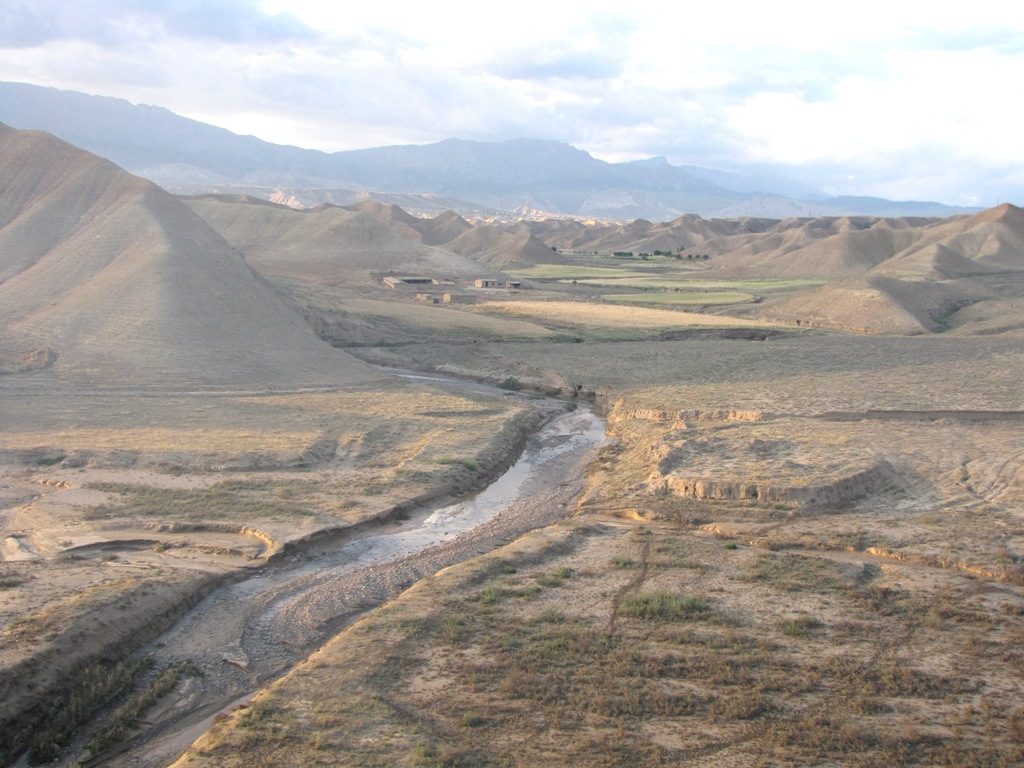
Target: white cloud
(872,94)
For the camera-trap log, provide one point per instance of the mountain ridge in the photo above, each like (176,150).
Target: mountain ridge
(185,155)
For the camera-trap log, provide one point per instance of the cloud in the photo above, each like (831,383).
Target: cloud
(30,23)
(896,97)
(547,64)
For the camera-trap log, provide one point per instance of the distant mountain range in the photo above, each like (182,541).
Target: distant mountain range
(187,156)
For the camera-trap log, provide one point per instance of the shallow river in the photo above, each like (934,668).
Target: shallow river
(254,629)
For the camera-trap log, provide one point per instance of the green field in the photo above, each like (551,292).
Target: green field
(687,298)
(570,272)
(675,281)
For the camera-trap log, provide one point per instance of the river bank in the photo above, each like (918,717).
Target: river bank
(251,631)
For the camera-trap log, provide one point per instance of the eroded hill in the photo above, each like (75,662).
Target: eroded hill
(106,278)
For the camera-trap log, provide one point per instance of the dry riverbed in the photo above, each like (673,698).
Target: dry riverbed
(106,544)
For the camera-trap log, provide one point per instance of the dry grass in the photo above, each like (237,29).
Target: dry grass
(881,631)
(680,298)
(569,271)
(161,440)
(225,423)
(442,319)
(793,374)
(491,664)
(590,315)
(249,501)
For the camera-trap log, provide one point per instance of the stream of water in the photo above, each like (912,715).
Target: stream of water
(255,629)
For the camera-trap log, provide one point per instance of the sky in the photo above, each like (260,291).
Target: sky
(899,99)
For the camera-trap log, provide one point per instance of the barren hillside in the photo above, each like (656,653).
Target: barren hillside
(501,248)
(106,278)
(328,244)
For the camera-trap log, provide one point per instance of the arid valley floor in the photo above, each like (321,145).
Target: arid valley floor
(795,535)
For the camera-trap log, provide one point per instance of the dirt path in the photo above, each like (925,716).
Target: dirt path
(252,631)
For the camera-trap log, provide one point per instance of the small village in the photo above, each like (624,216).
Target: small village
(448,291)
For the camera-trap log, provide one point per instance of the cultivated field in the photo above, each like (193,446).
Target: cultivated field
(677,297)
(591,315)
(400,317)
(580,272)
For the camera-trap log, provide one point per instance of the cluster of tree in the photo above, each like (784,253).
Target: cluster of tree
(644,255)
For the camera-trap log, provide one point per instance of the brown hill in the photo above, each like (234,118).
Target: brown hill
(398,220)
(641,235)
(898,275)
(106,278)
(329,245)
(908,248)
(993,239)
(501,248)
(880,304)
(443,228)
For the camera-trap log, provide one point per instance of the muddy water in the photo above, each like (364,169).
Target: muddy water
(567,437)
(253,630)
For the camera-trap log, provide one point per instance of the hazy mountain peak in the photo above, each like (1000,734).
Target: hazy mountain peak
(657,161)
(512,175)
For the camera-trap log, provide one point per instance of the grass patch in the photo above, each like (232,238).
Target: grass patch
(794,573)
(801,626)
(127,716)
(422,318)
(555,578)
(664,606)
(625,320)
(86,690)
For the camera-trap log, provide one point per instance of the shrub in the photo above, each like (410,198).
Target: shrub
(801,626)
(127,715)
(664,606)
(86,690)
